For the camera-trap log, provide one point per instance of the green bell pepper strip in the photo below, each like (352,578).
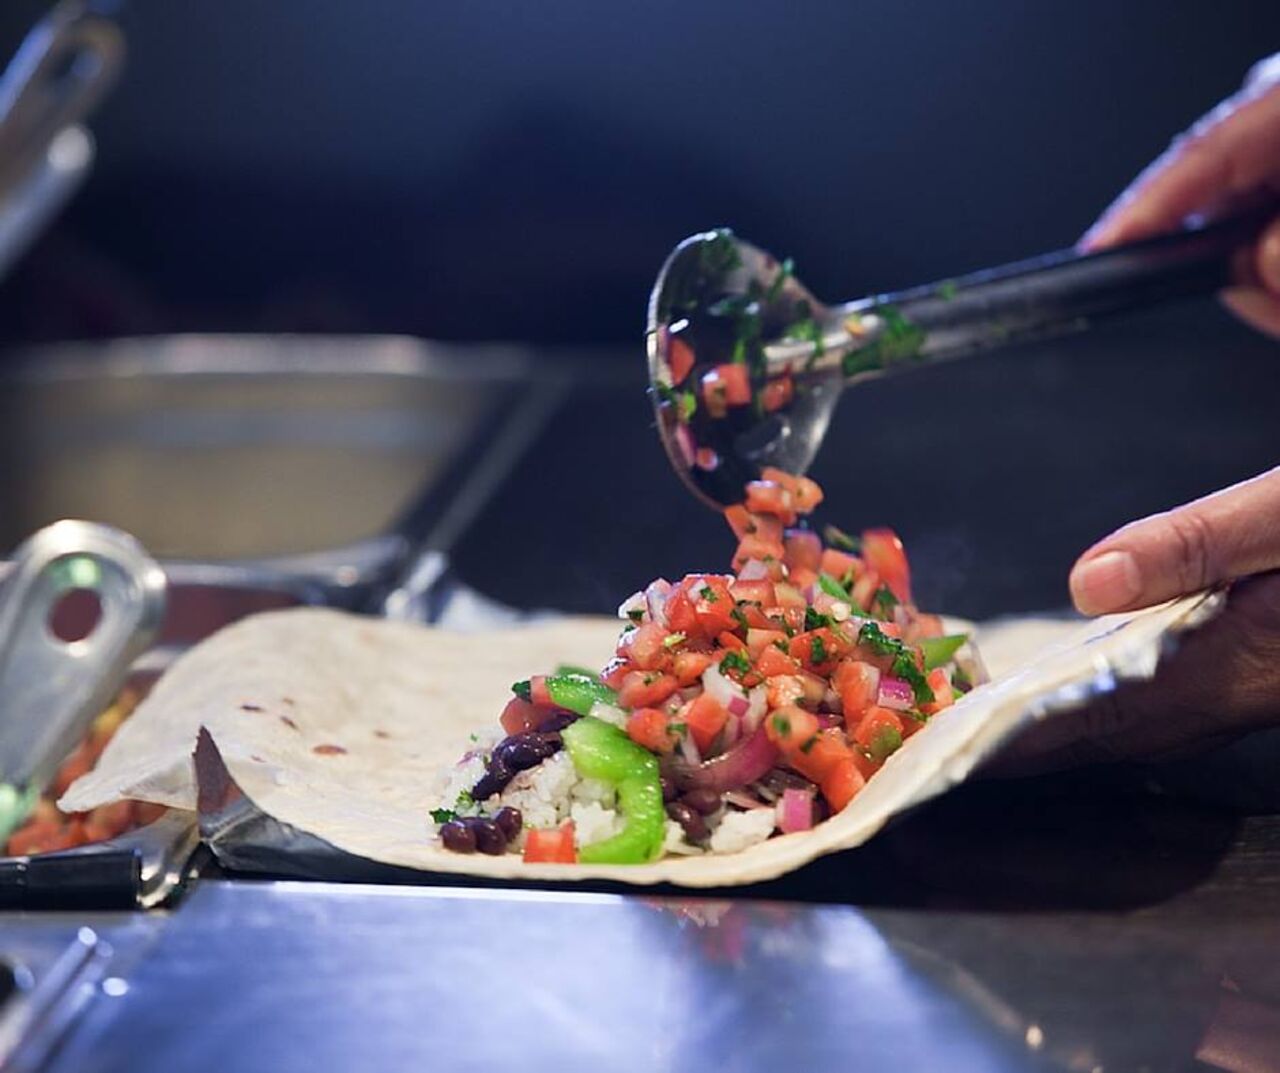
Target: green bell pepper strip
(938,651)
(601,751)
(574,692)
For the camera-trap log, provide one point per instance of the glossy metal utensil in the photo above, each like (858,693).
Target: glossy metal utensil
(52,689)
(745,365)
(66,64)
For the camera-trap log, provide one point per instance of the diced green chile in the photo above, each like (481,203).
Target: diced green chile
(602,751)
(574,692)
(938,651)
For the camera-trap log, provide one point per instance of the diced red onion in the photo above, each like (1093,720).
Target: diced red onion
(724,691)
(738,706)
(731,734)
(655,597)
(795,811)
(895,693)
(634,602)
(753,570)
(684,440)
(757,706)
(750,759)
(689,751)
(826,720)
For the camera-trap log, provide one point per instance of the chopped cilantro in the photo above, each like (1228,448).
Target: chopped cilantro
(720,252)
(884,601)
(779,281)
(735,661)
(818,650)
(522,690)
(687,404)
(636,615)
(815,621)
(807,747)
(904,664)
(673,640)
(465,801)
(782,725)
(443,815)
(947,290)
(708,594)
(740,618)
(832,587)
(781,646)
(678,729)
(899,340)
(887,741)
(664,391)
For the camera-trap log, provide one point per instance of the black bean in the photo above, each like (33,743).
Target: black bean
(778,780)
(558,722)
(509,821)
(703,802)
(695,827)
(458,837)
(488,835)
(522,751)
(493,781)
(669,788)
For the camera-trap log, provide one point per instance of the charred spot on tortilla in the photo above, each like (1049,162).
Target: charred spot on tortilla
(381,734)
(289,701)
(252,708)
(328,749)
(288,722)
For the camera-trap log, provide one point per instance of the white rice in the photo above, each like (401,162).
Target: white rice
(591,823)
(738,830)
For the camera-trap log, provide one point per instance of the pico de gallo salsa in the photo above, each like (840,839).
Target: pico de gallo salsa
(784,685)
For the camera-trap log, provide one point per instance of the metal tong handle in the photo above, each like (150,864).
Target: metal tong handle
(50,689)
(1067,290)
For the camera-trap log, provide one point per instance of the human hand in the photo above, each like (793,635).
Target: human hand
(1227,161)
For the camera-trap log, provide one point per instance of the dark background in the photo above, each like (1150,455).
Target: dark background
(518,171)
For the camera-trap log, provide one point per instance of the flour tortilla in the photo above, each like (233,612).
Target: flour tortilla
(339,726)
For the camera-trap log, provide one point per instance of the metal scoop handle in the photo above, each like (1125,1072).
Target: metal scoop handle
(1067,290)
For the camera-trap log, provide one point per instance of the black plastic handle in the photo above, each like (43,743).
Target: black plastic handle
(1067,290)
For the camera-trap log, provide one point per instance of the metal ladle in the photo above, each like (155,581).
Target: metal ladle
(745,365)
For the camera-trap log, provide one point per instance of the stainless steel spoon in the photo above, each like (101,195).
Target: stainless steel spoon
(745,365)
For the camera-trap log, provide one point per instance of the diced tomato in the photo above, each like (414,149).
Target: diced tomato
(680,357)
(713,604)
(840,564)
(755,617)
(922,626)
(767,497)
(645,647)
(802,577)
(760,639)
(34,837)
(688,667)
(737,383)
(858,685)
(806,494)
(550,845)
(680,616)
(819,648)
(885,555)
(731,641)
(519,716)
(649,727)
(107,821)
(146,812)
(793,619)
(759,591)
(80,762)
(777,393)
(866,765)
(785,690)
(714,396)
(739,519)
(539,695)
(706,717)
(816,759)
(879,732)
(754,546)
(803,549)
(865,589)
(772,662)
(615,671)
(790,597)
(790,727)
(943,695)
(646,689)
(842,784)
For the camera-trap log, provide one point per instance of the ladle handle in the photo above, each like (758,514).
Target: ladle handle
(1067,290)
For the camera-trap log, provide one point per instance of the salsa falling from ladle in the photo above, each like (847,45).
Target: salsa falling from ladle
(746,365)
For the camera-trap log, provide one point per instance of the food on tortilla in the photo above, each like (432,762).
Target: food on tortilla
(48,828)
(738,706)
